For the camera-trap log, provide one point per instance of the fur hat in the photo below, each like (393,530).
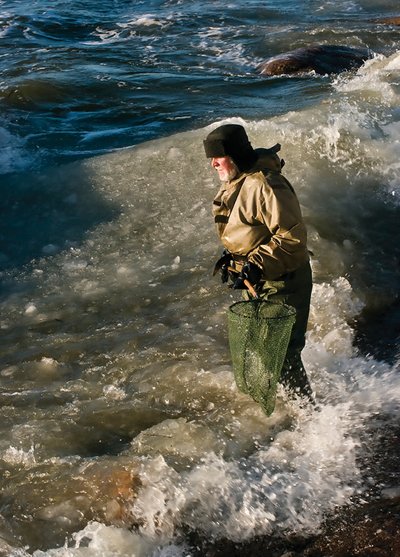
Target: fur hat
(230,140)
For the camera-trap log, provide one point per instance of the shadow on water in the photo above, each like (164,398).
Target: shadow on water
(362,225)
(47,212)
(377,328)
(378,332)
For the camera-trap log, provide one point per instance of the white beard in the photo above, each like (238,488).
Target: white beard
(229,174)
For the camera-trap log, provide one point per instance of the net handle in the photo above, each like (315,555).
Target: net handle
(246,282)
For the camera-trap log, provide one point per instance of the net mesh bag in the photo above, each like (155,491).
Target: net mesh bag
(259,333)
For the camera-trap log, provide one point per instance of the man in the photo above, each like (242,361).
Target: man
(259,222)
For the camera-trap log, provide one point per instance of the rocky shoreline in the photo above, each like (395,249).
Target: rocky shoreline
(367,527)
(369,530)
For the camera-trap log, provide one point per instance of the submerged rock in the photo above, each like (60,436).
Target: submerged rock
(322,59)
(65,498)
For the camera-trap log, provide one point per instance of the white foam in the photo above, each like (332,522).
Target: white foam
(30,309)
(333,306)
(373,79)
(4,30)
(13,156)
(20,457)
(288,485)
(125,30)
(108,541)
(146,20)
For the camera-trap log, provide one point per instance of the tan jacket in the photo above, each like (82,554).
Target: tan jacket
(259,219)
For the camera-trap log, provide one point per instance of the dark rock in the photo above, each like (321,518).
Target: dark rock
(372,530)
(322,59)
(365,529)
(369,326)
(369,530)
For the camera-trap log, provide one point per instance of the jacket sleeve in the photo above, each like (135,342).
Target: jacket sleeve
(285,247)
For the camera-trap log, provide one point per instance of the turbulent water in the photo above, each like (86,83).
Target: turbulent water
(121,426)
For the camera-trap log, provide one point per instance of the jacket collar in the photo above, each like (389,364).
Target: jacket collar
(231,185)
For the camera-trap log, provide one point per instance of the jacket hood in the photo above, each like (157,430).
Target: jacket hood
(267,159)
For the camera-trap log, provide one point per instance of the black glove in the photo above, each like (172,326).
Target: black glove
(250,272)
(222,265)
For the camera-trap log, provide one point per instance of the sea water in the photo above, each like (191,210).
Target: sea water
(121,427)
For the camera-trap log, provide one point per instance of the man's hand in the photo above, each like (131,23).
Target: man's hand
(251,273)
(222,265)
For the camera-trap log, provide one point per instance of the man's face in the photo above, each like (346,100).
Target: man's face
(226,168)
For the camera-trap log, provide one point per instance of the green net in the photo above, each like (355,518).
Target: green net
(259,333)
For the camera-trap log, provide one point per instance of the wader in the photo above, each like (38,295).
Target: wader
(293,289)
